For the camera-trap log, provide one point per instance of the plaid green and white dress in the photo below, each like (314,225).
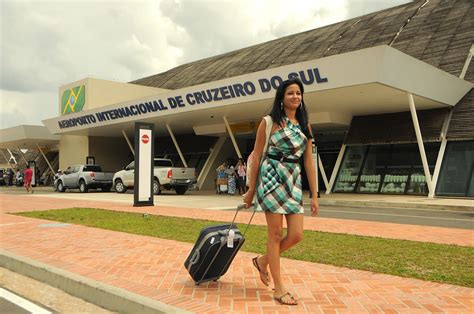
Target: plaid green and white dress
(279,189)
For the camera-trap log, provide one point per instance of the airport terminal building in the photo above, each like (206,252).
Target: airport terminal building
(389,96)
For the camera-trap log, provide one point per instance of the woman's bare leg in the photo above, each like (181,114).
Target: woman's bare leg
(276,245)
(293,236)
(272,258)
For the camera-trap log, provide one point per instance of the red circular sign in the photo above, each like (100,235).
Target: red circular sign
(145,139)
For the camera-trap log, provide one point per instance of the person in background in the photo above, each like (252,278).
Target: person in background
(221,179)
(37,177)
(241,176)
(10,177)
(18,177)
(231,179)
(279,189)
(27,177)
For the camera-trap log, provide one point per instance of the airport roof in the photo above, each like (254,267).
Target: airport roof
(27,136)
(370,63)
(437,32)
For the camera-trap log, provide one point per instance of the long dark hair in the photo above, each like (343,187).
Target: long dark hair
(278,114)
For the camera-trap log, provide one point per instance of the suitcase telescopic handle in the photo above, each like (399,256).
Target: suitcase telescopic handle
(240,207)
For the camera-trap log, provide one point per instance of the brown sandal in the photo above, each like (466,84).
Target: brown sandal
(290,300)
(263,274)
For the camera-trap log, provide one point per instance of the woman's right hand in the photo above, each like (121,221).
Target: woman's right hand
(248,198)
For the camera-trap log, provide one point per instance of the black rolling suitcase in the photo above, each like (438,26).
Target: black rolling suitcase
(215,250)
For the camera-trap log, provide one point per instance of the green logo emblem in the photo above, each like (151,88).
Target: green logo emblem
(73,99)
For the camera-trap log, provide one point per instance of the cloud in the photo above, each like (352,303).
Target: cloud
(209,28)
(361,7)
(27,108)
(46,44)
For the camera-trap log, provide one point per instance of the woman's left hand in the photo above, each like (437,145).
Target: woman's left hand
(314,206)
(248,197)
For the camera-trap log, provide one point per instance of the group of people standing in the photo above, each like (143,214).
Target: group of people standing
(231,178)
(20,178)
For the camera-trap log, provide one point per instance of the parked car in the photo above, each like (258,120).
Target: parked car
(84,177)
(165,177)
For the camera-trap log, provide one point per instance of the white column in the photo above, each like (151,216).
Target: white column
(442,149)
(128,142)
(206,169)
(336,168)
(444,131)
(22,156)
(236,147)
(419,139)
(12,157)
(176,145)
(437,169)
(8,160)
(323,173)
(44,156)
(467,62)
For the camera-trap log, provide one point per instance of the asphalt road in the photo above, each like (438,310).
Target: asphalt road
(423,217)
(20,294)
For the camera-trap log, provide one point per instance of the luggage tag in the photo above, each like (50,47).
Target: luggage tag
(230,238)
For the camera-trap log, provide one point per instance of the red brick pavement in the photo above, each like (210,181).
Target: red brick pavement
(153,268)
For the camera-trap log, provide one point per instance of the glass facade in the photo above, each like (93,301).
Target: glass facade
(456,177)
(387,169)
(350,169)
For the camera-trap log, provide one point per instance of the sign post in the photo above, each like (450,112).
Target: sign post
(316,166)
(143,176)
(90,160)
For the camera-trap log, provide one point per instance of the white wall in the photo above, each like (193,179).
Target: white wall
(73,150)
(111,153)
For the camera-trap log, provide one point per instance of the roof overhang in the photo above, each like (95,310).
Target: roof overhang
(369,81)
(28,137)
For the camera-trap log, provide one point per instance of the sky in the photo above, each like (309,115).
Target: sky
(47,44)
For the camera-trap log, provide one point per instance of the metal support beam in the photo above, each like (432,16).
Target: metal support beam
(444,131)
(12,157)
(47,161)
(442,149)
(176,145)
(7,159)
(419,139)
(206,169)
(336,168)
(128,142)
(229,130)
(437,169)
(467,62)
(323,173)
(22,156)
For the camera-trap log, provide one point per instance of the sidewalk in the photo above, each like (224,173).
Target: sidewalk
(398,201)
(152,268)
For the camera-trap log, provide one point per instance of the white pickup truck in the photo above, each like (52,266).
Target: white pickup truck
(165,177)
(84,177)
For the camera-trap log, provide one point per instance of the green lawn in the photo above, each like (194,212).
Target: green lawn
(428,261)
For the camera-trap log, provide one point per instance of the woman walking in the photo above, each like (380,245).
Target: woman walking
(279,191)
(27,178)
